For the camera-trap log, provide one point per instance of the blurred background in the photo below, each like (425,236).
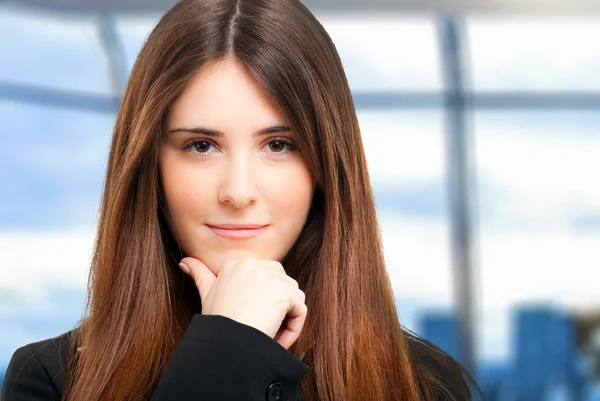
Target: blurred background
(481,124)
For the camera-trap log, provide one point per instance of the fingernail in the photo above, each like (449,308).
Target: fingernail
(185,268)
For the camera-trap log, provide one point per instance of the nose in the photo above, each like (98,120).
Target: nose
(237,183)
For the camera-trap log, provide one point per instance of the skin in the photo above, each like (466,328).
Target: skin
(238,177)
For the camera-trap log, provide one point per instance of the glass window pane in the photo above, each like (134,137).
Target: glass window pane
(534,54)
(43,292)
(133,32)
(406,159)
(539,209)
(52,164)
(52,51)
(386,53)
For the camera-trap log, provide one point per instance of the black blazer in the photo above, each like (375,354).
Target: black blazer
(218,358)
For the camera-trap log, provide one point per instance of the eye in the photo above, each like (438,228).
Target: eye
(279,145)
(200,146)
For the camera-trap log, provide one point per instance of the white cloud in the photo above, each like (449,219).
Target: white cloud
(529,53)
(512,268)
(545,266)
(542,175)
(417,257)
(33,261)
(364,42)
(403,147)
(534,171)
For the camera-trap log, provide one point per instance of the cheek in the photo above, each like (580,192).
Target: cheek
(186,192)
(290,193)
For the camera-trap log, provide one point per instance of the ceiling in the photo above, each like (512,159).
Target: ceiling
(159,6)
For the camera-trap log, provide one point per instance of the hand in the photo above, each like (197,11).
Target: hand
(257,293)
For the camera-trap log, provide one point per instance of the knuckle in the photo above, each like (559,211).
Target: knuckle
(262,274)
(248,263)
(284,303)
(244,262)
(198,282)
(275,265)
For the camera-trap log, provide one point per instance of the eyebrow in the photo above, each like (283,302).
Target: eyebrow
(214,133)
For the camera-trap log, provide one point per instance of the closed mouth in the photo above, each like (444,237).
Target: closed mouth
(238,231)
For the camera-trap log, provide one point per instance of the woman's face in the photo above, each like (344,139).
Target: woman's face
(235,184)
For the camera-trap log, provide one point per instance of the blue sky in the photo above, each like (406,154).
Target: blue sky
(538,212)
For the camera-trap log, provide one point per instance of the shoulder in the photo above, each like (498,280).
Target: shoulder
(36,370)
(445,377)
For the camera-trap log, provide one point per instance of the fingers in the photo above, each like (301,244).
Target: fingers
(249,277)
(201,274)
(273,266)
(294,323)
(277,268)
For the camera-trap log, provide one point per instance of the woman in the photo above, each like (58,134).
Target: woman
(238,255)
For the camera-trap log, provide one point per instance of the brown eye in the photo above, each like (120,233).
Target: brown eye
(277,145)
(201,146)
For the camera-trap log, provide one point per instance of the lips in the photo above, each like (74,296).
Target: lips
(238,231)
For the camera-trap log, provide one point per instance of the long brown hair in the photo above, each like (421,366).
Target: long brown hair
(352,341)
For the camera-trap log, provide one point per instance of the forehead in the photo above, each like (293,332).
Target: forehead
(223,94)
